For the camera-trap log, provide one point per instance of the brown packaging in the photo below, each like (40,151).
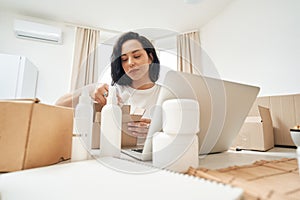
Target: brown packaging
(127,139)
(275,179)
(33,134)
(285,112)
(256,132)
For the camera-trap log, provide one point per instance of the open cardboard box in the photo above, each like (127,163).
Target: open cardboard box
(127,139)
(33,134)
(257,132)
(285,112)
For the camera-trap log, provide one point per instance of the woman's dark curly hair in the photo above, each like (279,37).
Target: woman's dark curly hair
(118,74)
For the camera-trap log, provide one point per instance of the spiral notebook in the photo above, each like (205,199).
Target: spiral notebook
(109,178)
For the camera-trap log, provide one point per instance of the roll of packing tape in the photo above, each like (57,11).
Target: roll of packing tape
(175,152)
(181,116)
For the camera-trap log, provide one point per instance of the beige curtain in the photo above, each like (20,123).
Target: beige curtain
(188,53)
(85,65)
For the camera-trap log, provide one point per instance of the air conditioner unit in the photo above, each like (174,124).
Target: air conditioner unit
(37,31)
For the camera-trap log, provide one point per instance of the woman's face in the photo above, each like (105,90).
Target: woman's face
(135,60)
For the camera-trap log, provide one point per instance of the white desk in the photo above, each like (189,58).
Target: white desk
(244,157)
(90,179)
(211,161)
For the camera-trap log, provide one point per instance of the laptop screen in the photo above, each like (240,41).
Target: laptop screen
(224,106)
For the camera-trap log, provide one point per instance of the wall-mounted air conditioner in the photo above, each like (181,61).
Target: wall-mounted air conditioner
(37,31)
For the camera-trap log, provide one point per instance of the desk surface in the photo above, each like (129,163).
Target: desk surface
(210,161)
(244,157)
(91,179)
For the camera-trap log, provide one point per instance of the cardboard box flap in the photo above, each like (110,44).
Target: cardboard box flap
(251,119)
(265,115)
(267,126)
(135,116)
(139,111)
(35,100)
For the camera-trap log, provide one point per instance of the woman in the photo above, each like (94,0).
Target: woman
(135,68)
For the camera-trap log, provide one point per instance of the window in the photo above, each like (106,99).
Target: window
(104,53)
(168,58)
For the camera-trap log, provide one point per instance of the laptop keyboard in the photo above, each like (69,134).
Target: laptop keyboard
(138,150)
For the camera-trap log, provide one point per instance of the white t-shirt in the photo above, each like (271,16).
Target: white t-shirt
(145,99)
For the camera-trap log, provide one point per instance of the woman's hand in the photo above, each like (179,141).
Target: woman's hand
(100,94)
(139,129)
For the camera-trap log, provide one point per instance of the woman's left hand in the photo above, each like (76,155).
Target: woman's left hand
(139,129)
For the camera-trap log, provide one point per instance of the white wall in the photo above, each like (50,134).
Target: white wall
(257,42)
(53,60)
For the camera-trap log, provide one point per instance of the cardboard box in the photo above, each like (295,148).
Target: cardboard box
(285,113)
(276,179)
(127,140)
(256,132)
(33,134)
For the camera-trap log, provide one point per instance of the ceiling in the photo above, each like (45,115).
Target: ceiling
(121,15)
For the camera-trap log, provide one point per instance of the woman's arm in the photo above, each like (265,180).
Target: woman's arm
(71,99)
(67,100)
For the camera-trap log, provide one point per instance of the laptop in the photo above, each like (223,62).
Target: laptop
(224,106)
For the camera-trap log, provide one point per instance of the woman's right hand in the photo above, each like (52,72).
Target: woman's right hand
(139,129)
(100,93)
